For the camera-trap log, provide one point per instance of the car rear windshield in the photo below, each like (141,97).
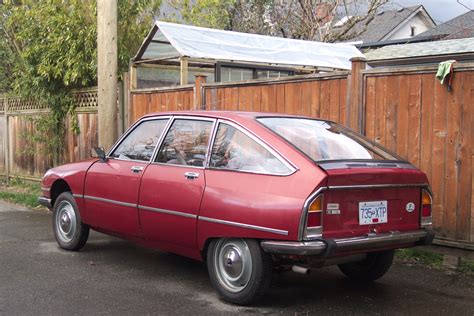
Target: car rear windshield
(322,140)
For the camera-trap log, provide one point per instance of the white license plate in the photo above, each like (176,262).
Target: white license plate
(373,212)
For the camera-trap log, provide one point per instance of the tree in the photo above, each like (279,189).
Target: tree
(322,20)
(206,13)
(51,49)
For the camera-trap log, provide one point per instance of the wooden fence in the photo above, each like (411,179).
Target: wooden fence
(411,113)
(23,158)
(405,109)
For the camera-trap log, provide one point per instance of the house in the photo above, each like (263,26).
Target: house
(461,26)
(461,50)
(172,54)
(395,26)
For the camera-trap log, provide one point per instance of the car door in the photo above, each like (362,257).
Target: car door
(111,187)
(172,186)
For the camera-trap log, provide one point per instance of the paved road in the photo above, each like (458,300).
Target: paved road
(111,276)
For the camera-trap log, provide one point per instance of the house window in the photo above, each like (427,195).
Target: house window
(412,30)
(241,72)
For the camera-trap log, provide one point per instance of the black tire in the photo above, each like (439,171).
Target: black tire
(69,231)
(255,273)
(370,269)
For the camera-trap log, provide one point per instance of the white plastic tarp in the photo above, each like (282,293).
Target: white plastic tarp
(198,42)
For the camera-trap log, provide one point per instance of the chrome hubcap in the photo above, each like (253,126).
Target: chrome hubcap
(233,264)
(65,221)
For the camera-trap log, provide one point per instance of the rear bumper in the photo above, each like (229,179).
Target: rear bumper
(45,202)
(326,247)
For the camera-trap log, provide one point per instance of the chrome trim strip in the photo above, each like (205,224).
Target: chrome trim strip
(160,210)
(260,228)
(211,143)
(173,165)
(88,197)
(376,186)
(304,212)
(320,246)
(45,189)
(78,196)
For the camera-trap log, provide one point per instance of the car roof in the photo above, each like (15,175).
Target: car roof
(238,116)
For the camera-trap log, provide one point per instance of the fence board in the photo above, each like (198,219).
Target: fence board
(414,124)
(463,161)
(427,100)
(439,150)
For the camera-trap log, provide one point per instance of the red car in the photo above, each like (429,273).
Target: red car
(246,192)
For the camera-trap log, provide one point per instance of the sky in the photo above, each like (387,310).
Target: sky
(439,10)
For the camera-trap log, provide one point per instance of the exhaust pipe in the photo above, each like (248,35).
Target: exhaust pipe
(300,270)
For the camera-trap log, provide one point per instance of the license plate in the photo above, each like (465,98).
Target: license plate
(373,212)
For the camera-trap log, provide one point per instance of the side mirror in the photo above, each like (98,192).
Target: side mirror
(100,153)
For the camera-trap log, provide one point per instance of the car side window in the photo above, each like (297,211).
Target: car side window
(141,142)
(186,143)
(234,150)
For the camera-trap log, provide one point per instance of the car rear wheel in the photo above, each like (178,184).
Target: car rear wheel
(69,231)
(239,269)
(370,269)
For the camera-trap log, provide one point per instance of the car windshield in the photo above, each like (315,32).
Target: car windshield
(321,140)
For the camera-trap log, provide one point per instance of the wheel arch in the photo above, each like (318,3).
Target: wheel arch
(59,186)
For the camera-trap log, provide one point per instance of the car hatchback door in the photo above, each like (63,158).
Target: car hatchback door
(173,185)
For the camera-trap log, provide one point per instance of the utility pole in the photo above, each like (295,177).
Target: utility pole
(107,71)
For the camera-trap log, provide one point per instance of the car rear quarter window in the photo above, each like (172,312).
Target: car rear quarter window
(140,143)
(323,141)
(186,143)
(234,150)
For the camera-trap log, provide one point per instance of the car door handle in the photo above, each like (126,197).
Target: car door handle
(191,175)
(137,169)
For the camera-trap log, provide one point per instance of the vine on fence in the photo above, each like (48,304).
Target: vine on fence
(49,130)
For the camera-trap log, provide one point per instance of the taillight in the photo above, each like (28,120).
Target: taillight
(314,218)
(426,202)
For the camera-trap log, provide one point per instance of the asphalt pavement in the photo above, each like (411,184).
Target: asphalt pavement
(114,277)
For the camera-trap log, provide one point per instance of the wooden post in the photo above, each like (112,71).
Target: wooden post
(107,71)
(126,100)
(198,93)
(6,143)
(133,81)
(183,70)
(355,115)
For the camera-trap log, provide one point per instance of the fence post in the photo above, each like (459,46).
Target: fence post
(198,92)
(6,142)
(355,117)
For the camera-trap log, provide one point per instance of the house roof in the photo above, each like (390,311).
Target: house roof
(386,22)
(461,26)
(437,48)
(169,40)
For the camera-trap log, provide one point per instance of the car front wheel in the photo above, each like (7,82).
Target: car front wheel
(370,269)
(239,269)
(69,231)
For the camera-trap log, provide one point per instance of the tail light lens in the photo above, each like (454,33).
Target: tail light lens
(426,202)
(314,219)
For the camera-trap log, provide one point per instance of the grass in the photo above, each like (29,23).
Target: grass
(466,266)
(430,259)
(21,192)
(418,256)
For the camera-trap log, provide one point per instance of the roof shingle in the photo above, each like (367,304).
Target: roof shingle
(461,26)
